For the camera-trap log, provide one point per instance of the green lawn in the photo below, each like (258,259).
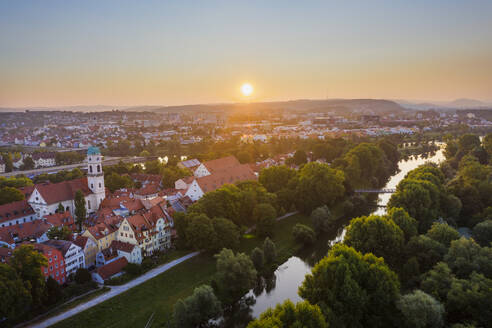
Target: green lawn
(134,307)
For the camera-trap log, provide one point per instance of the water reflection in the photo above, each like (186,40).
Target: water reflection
(289,276)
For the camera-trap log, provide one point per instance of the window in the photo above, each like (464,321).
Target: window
(92,186)
(89,203)
(90,168)
(56,257)
(100,185)
(98,168)
(121,234)
(51,268)
(56,265)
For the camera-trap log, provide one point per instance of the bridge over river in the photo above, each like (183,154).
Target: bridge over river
(376,191)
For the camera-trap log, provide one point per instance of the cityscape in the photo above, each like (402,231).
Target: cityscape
(227,164)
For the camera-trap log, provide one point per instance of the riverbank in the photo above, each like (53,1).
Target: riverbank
(134,307)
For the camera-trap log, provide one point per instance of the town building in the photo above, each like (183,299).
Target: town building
(56,263)
(64,219)
(90,249)
(44,159)
(212,175)
(46,197)
(102,234)
(110,270)
(16,213)
(35,231)
(73,255)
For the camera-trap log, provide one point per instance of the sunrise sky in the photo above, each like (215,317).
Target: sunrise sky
(57,53)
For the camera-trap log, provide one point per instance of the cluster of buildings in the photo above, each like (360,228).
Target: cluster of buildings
(122,227)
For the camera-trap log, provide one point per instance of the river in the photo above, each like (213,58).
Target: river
(290,275)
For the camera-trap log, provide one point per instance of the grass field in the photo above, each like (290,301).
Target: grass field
(134,307)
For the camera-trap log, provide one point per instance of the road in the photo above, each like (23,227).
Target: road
(115,290)
(54,169)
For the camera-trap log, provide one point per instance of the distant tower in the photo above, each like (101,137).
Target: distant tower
(95,174)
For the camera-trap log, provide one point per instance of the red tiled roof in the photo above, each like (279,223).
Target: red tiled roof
(28,230)
(101,230)
(62,219)
(121,246)
(110,269)
(81,241)
(5,254)
(231,175)
(15,210)
(62,245)
(146,177)
(149,189)
(57,192)
(221,164)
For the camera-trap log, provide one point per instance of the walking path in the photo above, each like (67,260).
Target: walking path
(278,219)
(115,290)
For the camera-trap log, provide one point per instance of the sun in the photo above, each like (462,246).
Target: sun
(246,89)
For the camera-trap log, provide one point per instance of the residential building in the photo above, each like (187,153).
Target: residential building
(35,230)
(110,270)
(90,249)
(44,159)
(151,231)
(56,263)
(16,213)
(73,255)
(64,219)
(102,234)
(212,175)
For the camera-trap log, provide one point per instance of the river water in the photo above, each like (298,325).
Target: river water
(290,275)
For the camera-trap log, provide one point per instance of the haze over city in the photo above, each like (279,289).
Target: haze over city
(122,53)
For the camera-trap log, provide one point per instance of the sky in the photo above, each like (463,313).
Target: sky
(123,53)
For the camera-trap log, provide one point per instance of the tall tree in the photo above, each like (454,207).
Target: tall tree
(292,315)
(352,290)
(9,195)
(28,262)
(421,310)
(378,235)
(236,274)
(16,299)
(197,309)
(80,210)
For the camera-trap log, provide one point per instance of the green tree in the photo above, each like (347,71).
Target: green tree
(258,258)
(244,157)
(303,234)
(60,208)
(427,251)
(221,203)
(469,300)
(482,233)
(82,276)
(421,310)
(292,315)
(197,309)
(80,210)
(443,233)
(378,235)
(181,223)
(264,215)
(227,233)
(200,233)
(437,282)
(9,195)
(270,251)
(468,142)
(322,219)
(300,157)
(465,256)
(275,178)
(403,220)
(352,290)
(52,292)
(318,185)
(28,262)
(16,299)
(236,274)
(171,174)
(7,159)
(62,233)
(27,163)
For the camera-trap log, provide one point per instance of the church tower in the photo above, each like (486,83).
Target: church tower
(95,174)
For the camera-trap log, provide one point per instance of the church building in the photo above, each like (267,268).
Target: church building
(46,197)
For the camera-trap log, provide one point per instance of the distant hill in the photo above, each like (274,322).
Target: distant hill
(462,103)
(366,106)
